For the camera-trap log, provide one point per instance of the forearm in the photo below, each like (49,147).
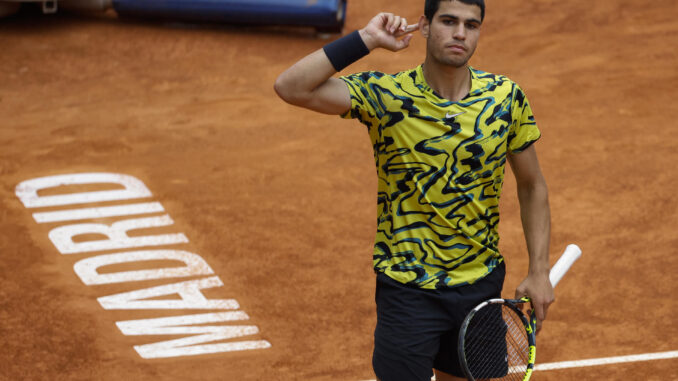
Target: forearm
(309,83)
(536,219)
(297,84)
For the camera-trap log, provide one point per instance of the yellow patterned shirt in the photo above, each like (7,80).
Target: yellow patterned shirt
(440,166)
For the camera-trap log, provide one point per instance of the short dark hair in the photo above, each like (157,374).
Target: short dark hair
(432,6)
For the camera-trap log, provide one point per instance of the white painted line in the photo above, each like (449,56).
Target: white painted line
(89,213)
(117,238)
(200,339)
(608,360)
(198,344)
(603,361)
(27,191)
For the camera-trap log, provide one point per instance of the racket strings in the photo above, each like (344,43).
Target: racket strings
(518,347)
(496,346)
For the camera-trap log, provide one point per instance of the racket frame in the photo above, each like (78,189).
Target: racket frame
(530,327)
(572,254)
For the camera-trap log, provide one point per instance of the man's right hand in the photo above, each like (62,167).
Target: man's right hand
(385,30)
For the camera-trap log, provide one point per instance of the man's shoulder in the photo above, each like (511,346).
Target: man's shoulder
(492,82)
(486,76)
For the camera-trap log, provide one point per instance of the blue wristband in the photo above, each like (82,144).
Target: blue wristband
(346,50)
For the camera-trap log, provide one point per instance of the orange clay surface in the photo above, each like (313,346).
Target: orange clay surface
(280,202)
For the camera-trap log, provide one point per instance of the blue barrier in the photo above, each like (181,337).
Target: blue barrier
(325,15)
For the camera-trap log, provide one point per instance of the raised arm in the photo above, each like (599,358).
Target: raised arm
(309,82)
(536,218)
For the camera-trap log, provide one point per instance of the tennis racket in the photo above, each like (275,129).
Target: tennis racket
(497,341)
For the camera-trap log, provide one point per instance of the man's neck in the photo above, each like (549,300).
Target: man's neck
(452,83)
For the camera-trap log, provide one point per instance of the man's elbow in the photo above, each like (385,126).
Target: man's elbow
(287,93)
(534,190)
(281,89)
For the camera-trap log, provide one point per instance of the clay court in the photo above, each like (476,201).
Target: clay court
(280,202)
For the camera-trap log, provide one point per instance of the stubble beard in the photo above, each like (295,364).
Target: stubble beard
(454,61)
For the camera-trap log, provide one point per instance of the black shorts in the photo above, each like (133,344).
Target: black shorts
(417,329)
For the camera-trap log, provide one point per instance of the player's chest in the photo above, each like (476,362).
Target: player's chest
(449,126)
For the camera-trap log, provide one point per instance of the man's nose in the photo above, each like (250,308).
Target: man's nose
(460,32)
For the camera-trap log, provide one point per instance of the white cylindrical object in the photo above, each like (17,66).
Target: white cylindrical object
(571,254)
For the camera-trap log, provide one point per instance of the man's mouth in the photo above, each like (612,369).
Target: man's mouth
(457,48)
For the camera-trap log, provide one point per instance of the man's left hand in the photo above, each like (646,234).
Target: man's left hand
(538,288)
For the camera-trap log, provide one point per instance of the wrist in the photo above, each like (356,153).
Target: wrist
(346,50)
(369,41)
(538,274)
(539,269)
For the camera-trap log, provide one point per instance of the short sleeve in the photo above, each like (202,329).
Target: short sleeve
(524,131)
(365,104)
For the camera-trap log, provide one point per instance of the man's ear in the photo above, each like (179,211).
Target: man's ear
(424,26)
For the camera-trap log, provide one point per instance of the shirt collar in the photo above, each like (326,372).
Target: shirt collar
(420,82)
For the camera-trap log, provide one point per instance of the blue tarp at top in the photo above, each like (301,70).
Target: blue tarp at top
(317,13)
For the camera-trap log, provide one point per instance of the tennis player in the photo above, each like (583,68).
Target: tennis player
(442,133)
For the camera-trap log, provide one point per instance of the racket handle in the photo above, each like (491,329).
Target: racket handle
(571,254)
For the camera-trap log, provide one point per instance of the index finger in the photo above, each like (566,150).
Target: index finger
(539,311)
(408,29)
(411,28)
